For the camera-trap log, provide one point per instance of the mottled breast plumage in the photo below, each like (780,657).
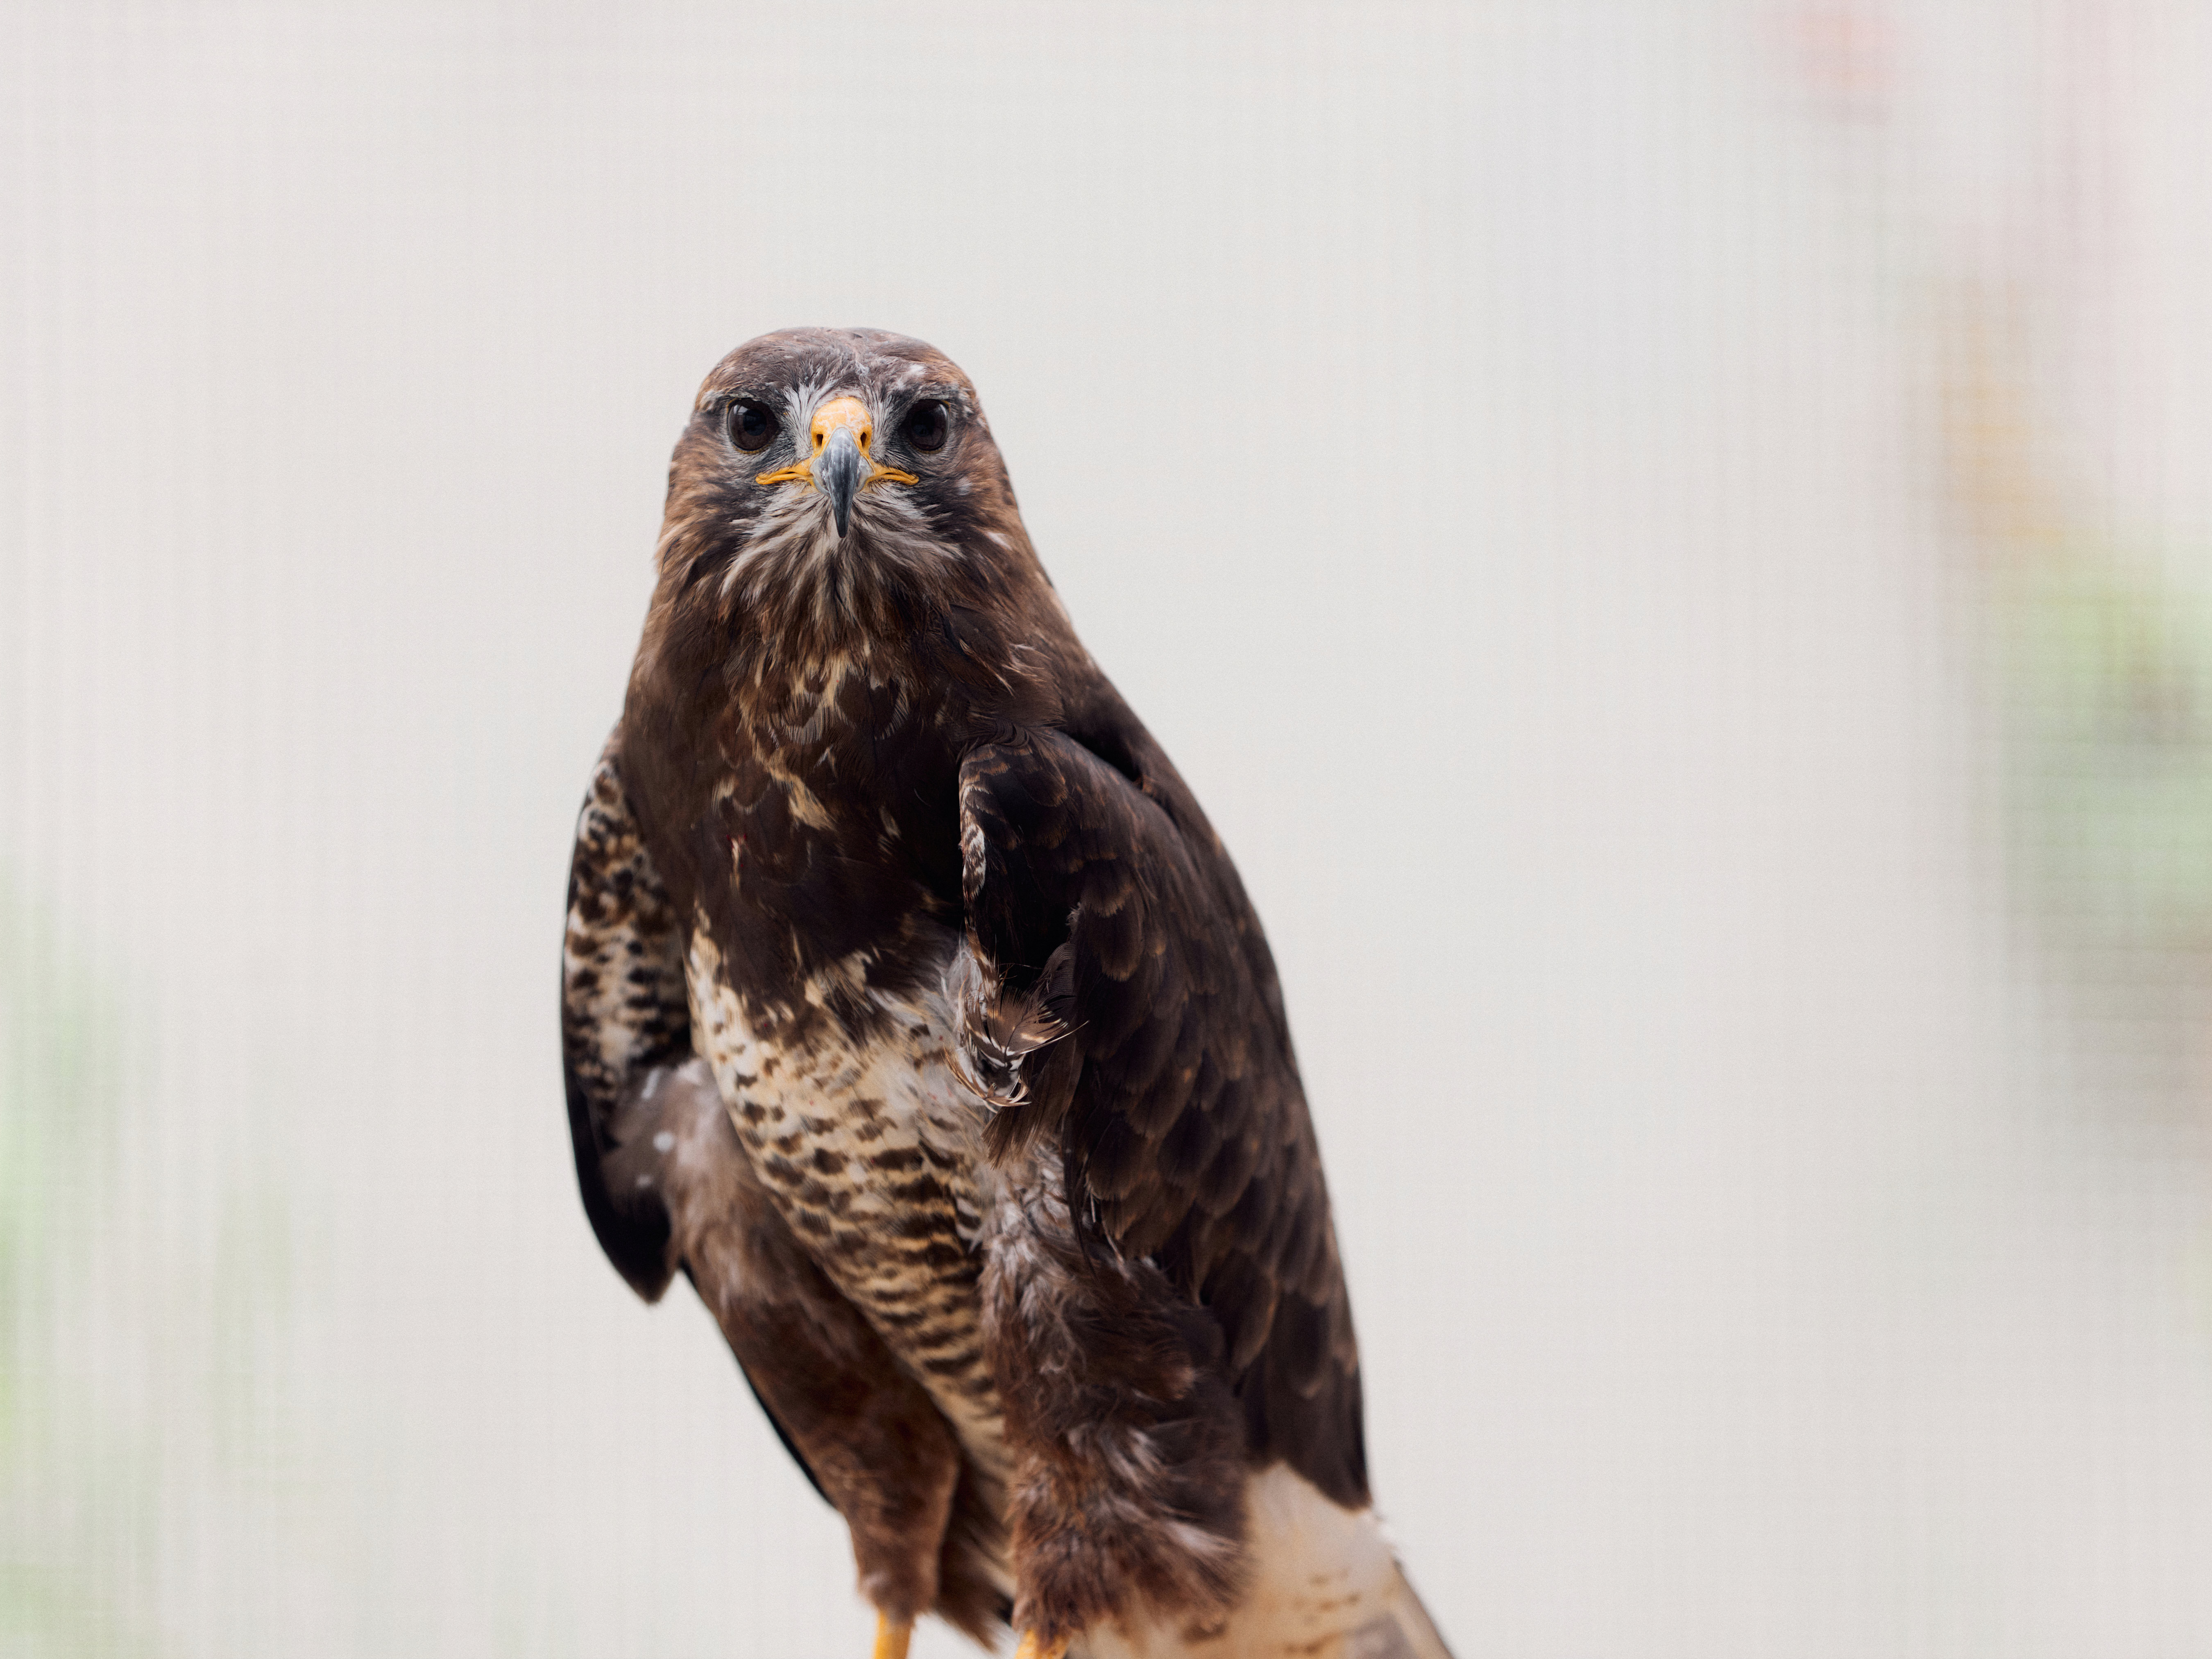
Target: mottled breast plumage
(871,1144)
(913,1009)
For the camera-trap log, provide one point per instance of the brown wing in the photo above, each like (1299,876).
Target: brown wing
(623,1014)
(1117,993)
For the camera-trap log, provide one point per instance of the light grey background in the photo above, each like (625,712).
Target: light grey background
(1509,453)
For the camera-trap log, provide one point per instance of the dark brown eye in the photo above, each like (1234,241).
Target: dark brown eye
(752,426)
(925,428)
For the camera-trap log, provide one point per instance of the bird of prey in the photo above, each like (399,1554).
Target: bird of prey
(912,1009)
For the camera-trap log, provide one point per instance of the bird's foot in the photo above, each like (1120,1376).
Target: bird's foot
(1031,1648)
(891,1637)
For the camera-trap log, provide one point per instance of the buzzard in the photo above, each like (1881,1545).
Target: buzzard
(913,1011)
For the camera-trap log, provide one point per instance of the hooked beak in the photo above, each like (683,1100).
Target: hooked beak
(840,464)
(837,470)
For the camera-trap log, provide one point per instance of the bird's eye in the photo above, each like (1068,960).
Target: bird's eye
(752,426)
(926,429)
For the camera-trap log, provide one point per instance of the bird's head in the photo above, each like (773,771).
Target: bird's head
(828,473)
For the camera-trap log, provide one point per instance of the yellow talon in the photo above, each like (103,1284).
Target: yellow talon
(1033,1648)
(891,1638)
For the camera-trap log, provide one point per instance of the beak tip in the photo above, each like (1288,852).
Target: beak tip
(839,472)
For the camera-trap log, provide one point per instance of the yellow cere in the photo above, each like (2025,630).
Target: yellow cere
(847,412)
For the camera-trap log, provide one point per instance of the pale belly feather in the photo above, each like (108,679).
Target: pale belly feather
(872,1150)
(872,1147)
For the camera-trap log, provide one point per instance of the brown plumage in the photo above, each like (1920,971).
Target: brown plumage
(912,1008)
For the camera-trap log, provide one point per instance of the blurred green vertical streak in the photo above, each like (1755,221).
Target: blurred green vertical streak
(57,1066)
(2108,681)
(61,1062)
(2101,648)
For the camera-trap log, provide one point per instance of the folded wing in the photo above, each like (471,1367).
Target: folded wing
(625,1021)
(1117,997)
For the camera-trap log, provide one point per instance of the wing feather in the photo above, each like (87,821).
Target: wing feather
(623,1014)
(1116,995)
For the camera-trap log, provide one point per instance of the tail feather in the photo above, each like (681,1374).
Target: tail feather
(1325,1584)
(1403,1631)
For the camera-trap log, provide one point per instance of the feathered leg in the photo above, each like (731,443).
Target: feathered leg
(865,1431)
(1128,1473)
